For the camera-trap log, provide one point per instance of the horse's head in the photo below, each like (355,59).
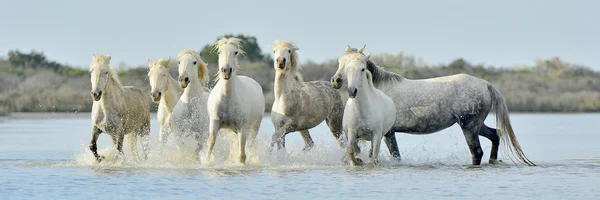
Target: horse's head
(355,70)
(191,68)
(337,80)
(228,50)
(99,71)
(285,56)
(159,77)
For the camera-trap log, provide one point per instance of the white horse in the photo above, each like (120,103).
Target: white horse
(369,113)
(117,110)
(300,106)
(190,117)
(166,91)
(429,105)
(236,102)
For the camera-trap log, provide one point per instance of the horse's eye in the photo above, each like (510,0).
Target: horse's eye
(178,62)
(236,53)
(273,51)
(363,69)
(194,62)
(289,51)
(105,72)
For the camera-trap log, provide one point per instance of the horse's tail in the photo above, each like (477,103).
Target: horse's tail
(505,130)
(132,140)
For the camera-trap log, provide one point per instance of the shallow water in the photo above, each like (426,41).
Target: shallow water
(45,156)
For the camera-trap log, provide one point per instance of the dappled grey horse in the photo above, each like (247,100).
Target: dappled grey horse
(430,105)
(300,106)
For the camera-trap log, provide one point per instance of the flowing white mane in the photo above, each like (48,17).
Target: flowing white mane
(234,41)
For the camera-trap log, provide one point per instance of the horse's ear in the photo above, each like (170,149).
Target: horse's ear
(108,58)
(169,59)
(347,48)
(149,62)
(367,57)
(93,56)
(360,50)
(296,48)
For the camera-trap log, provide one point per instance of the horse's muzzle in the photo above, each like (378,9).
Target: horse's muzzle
(336,83)
(96,95)
(156,96)
(183,82)
(352,92)
(226,73)
(281,63)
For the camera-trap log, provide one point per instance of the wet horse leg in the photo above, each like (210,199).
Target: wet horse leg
(242,135)
(392,144)
(308,141)
(279,136)
(490,133)
(470,127)
(93,145)
(212,136)
(335,126)
(119,142)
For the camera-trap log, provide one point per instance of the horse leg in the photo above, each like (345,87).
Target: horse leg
(242,135)
(490,133)
(253,132)
(335,126)
(119,142)
(392,144)
(145,137)
(308,141)
(470,129)
(351,148)
(213,127)
(279,136)
(375,145)
(93,145)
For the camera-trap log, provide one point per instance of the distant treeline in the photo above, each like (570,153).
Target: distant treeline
(30,82)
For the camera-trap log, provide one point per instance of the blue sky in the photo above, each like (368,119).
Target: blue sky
(501,33)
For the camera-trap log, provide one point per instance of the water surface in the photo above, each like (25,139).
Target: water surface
(45,156)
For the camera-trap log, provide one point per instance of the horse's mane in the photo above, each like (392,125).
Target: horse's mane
(202,66)
(296,69)
(115,77)
(234,41)
(164,62)
(379,75)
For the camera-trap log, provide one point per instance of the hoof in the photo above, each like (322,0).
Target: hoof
(100,158)
(358,162)
(495,162)
(397,159)
(307,148)
(242,159)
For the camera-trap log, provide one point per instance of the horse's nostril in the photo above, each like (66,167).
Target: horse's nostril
(283,60)
(100,93)
(159,94)
(186,79)
(230,70)
(339,80)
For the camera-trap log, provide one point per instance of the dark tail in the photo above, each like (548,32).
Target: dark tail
(505,130)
